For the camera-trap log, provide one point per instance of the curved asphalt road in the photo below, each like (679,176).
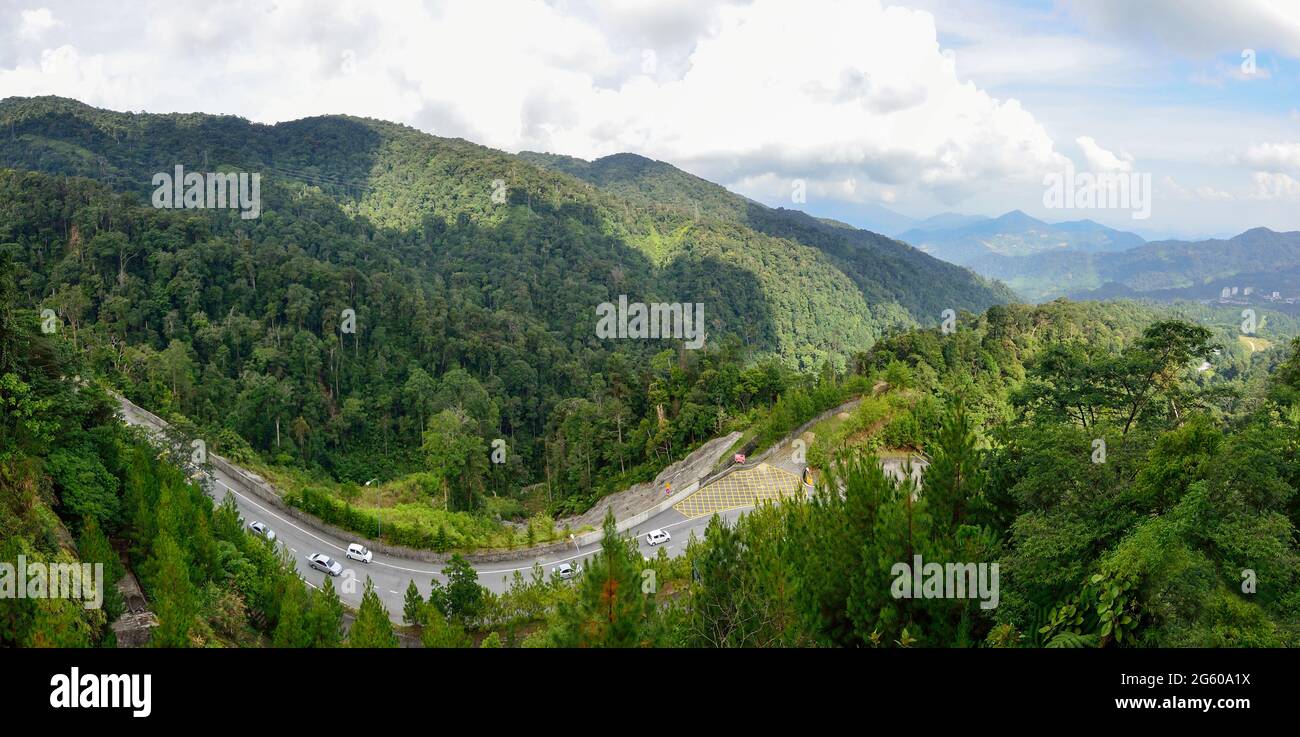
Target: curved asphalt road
(392,574)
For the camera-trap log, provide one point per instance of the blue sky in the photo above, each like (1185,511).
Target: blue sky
(1163,83)
(833,106)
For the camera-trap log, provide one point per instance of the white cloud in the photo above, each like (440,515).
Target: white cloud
(1273,186)
(1222,73)
(1099,159)
(35,22)
(1214,195)
(831,91)
(1273,157)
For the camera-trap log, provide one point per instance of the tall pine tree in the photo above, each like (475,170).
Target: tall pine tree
(371,628)
(611,609)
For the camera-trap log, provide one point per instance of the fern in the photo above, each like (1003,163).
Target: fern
(1069,639)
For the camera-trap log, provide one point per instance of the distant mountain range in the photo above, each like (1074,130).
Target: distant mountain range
(1251,266)
(1107,264)
(967,240)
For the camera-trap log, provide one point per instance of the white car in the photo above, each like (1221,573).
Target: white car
(565,571)
(656,537)
(261,530)
(323,562)
(359,552)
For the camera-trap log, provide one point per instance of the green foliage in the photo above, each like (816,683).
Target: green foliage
(413,606)
(371,629)
(236,324)
(611,608)
(439,632)
(325,617)
(86,488)
(461,599)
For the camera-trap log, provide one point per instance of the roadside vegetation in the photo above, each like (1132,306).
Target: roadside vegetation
(1182,533)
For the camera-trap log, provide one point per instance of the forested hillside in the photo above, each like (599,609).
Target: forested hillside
(474,314)
(1128,497)
(884,269)
(76,485)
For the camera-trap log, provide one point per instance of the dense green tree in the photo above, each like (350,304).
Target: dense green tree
(611,609)
(456,457)
(413,607)
(292,631)
(461,599)
(371,628)
(325,617)
(438,632)
(175,600)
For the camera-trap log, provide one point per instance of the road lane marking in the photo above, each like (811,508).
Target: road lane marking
(542,561)
(309,534)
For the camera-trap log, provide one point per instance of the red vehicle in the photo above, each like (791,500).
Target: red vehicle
(739,459)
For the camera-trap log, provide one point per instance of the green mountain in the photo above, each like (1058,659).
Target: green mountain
(474,278)
(884,270)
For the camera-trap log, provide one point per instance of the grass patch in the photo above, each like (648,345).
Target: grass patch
(409,511)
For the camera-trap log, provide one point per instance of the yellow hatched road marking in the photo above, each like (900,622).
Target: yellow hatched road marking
(740,489)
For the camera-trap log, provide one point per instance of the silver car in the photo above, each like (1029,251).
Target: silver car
(322,562)
(261,530)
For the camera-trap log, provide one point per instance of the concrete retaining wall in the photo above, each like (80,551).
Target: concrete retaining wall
(258,487)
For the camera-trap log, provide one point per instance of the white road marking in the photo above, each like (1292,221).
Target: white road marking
(480,573)
(309,534)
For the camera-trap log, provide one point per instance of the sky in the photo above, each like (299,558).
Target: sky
(836,107)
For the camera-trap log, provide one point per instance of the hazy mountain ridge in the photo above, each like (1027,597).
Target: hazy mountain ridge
(1158,270)
(1016,234)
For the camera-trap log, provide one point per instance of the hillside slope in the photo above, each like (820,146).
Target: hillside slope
(883,269)
(473,277)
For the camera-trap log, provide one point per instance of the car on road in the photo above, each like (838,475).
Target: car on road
(261,530)
(657,537)
(359,552)
(565,571)
(323,562)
